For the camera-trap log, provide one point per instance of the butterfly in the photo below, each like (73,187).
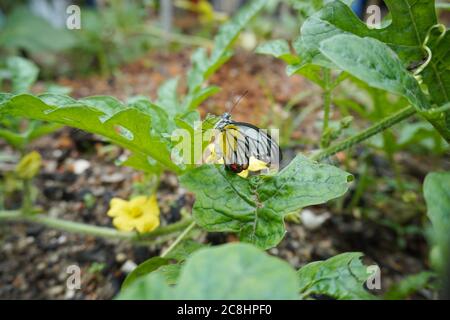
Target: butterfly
(240,143)
(243,146)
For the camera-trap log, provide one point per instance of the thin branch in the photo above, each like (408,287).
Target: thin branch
(178,239)
(102,232)
(365,134)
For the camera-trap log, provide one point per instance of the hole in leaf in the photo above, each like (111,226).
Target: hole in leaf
(350,178)
(124,132)
(375,14)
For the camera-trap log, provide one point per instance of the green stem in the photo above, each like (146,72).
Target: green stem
(178,239)
(177,37)
(27,203)
(365,134)
(102,232)
(326,106)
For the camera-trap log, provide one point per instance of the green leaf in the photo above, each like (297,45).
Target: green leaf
(37,129)
(256,207)
(411,20)
(340,277)
(168,98)
(405,35)
(24,30)
(231,271)
(195,99)
(124,125)
(143,269)
(409,285)
(374,63)
(310,71)
(14,139)
(150,287)
(23,73)
(279,49)
(161,123)
(171,272)
(141,162)
(163,265)
(203,65)
(436,191)
(185,249)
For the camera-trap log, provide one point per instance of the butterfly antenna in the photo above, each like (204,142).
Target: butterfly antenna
(237,101)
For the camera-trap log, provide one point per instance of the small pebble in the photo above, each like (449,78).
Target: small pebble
(121,257)
(128,266)
(313,221)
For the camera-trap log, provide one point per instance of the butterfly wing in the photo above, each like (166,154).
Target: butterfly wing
(240,141)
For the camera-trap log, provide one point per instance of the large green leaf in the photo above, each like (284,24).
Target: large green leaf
(340,277)
(411,20)
(436,191)
(153,286)
(185,249)
(231,271)
(163,265)
(374,63)
(143,269)
(256,207)
(125,125)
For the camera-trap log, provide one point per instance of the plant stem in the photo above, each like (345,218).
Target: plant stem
(177,37)
(365,134)
(178,239)
(102,232)
(326,106)
(27,203)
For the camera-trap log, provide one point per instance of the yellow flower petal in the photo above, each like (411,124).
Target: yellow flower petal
(243,174)
(151,207)
(113,212)
(256,165)
(147,223)
(140,213)
(117,207)
(123,223)
(138,201)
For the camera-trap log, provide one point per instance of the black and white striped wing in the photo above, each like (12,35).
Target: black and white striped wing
(240,141)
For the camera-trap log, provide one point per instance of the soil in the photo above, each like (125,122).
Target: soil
(34,259)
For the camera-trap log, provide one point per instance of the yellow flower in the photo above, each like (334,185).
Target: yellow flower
(253,166)
(29,165)
(140,213)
